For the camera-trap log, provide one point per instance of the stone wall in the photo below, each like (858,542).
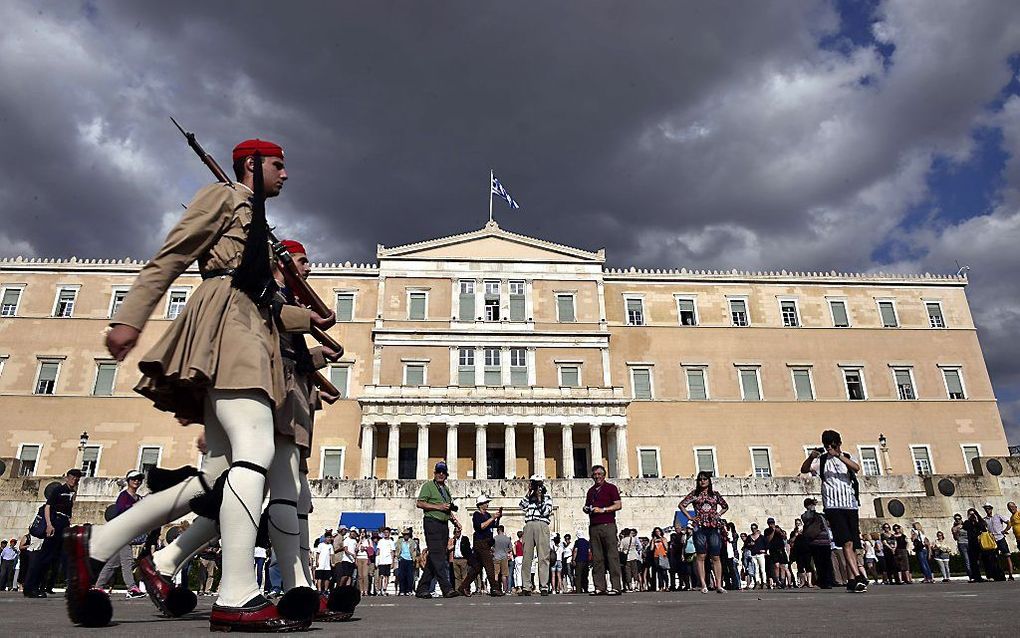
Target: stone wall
(647,502)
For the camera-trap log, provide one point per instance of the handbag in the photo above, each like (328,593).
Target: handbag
(987,541)
(38,526)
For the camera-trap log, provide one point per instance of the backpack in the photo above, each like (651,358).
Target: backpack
(814,528)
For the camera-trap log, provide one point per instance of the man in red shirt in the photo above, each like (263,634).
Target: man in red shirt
(601,504)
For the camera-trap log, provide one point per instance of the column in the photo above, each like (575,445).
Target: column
(622,453)
(538,454)
(451,449)
(596,445)
(393,452)
(510,451)
(481,443)
(568,451)
(367,450)
(421,472)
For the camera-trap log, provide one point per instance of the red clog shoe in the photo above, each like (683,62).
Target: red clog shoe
(172,600)
(86,605)
(258,616)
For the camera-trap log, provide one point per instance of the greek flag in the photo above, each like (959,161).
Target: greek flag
(497,189)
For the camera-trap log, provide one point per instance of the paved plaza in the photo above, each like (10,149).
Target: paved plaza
(957,608)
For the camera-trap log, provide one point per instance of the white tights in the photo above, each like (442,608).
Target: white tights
(284,527)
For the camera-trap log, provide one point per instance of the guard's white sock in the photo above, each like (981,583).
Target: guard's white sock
(284,529)
(247,420)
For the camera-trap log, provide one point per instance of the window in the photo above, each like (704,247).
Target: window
(493,371)
(935,318)
(148,458)
(802,386)
(570,376)
(466,367)
(738,312)
(414,374)
(649,458)
(887,310)
(517,305)
(788,309)
(750,386)
(840,318)
(869,461)
(47,381)
(697,388)
(854,378)
(518,367)
(106,373)
(922,459)
(970,452)
(90,460)
(904,379)
(117,297)
(687,311)
(492,301)
(29,457)
(635,311)
(954,383)
(416,304)
(704,459)
(761,462)
(345,306)
(65,302)
(466,303)
(641,381)
(565,308)
(332,464)
(175,303)
(9,302)
(339,375)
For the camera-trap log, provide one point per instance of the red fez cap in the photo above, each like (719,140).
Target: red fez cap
(294,247)
(250,147)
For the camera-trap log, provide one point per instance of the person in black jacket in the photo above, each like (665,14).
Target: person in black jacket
(57,515)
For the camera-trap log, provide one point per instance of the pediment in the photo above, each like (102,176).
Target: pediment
(491,243)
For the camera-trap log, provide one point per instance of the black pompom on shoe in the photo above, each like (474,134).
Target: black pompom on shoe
(96,609)
(300,603)
(180,601)
(344,599)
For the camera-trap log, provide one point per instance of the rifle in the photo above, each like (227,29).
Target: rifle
(302,291)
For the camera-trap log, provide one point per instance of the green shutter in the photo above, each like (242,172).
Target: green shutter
(417,307)
(802,383)
(706,461)
(104,379)
(517,308)
(696,385)
(345,307)
(415,375)
(888,314)
(518,376)
(749,382)
(642,384)
(953,382)
(331,461)
(570,376)
(466,376)
(338,376)
(565,308)
(839,316)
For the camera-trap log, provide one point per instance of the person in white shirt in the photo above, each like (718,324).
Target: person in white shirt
(348,558)
(385,555)
(323,552)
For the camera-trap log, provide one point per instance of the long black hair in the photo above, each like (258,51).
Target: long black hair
(697,483)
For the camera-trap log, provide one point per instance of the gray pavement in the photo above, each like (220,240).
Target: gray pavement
(956,608)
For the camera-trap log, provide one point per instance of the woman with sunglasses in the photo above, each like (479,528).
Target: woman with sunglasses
(902,557)
(974,525)
(709,506)
(892,570)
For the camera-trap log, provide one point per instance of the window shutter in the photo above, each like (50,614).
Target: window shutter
(345,307)
(762,466)
(749,381)
(104,379)
(565,308)
(90,454)
(331,462)
(696,384)
(642,384)
(466,376)
(706,461)
(338,376)
(649,464)
(839,316)
(953,382)
(415,375)
(570,377)
(150,456)
(518,376)
(467,307)
(29,453)
(416,311)
(888,314)
(802,381)
(516,307)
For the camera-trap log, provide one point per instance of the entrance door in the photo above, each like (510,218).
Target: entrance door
(407,463)
(581,466)
(495,463)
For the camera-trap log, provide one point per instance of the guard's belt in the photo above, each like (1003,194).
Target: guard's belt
(218,272)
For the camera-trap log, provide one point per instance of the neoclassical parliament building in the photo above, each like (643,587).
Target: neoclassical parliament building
(508,356)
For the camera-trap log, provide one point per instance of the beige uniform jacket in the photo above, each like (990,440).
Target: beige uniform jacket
(294,415)
(221,339)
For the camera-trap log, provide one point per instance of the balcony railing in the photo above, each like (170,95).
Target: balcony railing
(470,393)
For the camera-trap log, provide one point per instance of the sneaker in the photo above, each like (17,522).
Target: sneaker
(134,592)
(861,585)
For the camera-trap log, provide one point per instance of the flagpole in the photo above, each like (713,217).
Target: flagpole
(491,174)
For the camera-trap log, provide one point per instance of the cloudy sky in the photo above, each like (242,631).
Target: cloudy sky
(800,135)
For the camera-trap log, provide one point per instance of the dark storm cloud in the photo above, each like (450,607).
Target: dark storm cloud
(673,134)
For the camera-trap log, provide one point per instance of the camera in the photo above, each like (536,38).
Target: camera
(588,509)
(820,450)
(453,507)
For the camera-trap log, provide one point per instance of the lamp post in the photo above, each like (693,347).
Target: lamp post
(83,440)
(884,444)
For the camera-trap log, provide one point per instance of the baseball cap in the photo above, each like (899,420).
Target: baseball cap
(770,521)
(810,501)
(482,498)
(987,505)
(441,467)
(134,474)
(536,477)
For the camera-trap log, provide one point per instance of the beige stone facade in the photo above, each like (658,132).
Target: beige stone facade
(509,356)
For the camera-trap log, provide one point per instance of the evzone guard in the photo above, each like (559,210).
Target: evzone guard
(219,363)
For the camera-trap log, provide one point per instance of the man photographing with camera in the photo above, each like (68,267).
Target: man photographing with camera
(841,500)
(437,503)
(537,506)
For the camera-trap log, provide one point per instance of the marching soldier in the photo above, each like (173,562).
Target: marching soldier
(219,363)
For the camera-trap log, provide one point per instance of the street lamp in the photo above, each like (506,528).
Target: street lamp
(884,444)
(83,441)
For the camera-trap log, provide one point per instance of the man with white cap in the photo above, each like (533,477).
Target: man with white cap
(483,524)
(537,506)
